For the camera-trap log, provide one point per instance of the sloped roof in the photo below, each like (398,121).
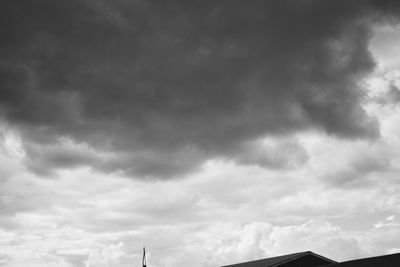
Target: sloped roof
(276,261)
(392,260)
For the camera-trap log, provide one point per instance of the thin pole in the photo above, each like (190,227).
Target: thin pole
(144,262)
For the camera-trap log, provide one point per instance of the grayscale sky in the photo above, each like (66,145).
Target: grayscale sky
(211,132)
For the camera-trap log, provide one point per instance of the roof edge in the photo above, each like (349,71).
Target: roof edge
(371,257)
(303,254)
(294,256)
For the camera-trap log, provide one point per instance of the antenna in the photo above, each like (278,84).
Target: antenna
(144,262)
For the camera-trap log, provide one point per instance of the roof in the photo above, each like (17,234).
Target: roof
(276,261)
(392,260)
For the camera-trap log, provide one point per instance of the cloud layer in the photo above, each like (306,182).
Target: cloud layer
(156,89)
(283,118)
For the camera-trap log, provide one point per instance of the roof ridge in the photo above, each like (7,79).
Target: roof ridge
(281,259)
(291,255)
(301,254)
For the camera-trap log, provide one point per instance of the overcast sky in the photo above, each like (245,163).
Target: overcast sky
(211,132)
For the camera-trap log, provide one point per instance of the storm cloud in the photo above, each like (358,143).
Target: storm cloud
(154,88)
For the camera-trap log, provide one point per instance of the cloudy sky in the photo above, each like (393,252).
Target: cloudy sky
(211,132)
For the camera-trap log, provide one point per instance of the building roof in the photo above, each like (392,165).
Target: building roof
(276,261)
(392,260)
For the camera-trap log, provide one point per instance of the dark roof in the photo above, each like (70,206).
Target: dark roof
(392,260)
(276,261)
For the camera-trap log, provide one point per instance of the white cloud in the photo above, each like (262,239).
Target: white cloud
(112,255)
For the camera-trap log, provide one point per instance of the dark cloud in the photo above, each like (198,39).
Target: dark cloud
(165,85)
(388,10)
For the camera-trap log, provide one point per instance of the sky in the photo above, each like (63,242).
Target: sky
(211,132)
